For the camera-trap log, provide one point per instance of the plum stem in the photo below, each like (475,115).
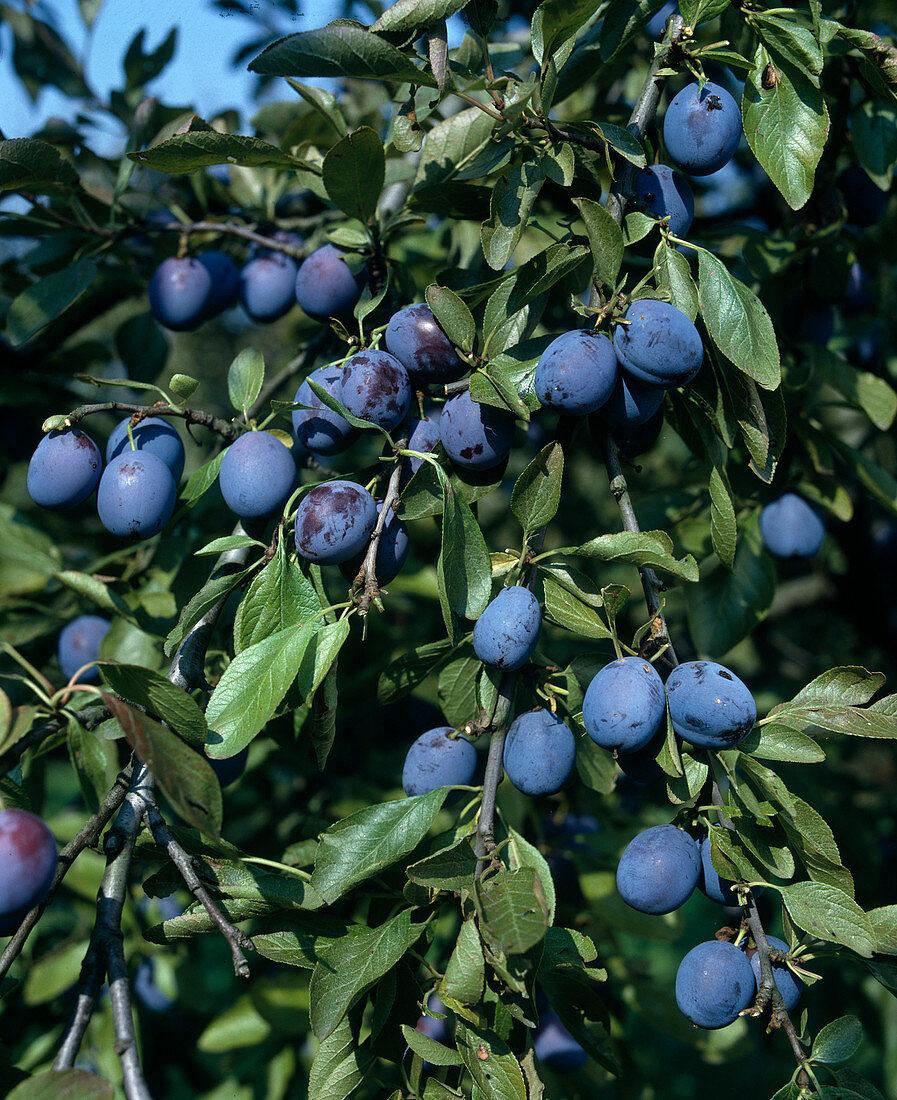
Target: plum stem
(367,574)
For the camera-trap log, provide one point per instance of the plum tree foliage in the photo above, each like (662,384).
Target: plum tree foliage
(417,321)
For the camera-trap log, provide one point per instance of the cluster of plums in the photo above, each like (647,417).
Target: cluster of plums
(185,291)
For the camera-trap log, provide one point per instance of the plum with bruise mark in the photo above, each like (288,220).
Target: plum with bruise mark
(79,644)
(659,344)
(702,128)
(225,276)
(375,386)
(506,634)
(266,286)
(179,293)
(392,551)
(416,339)
(334,522)
(475,436)
(325,286)
(624,705)
(789,985)
(667,195)
(136,496)
(318,429)
(576,373)
(64,470)
(257,475)
(28,859)
(155,435)
(437,759)
(714,984)
(791,528)
(709,706)
(539,753)
(658,870)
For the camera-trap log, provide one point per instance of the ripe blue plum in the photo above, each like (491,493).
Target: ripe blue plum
(423,437)
(656,25)
(659,345)
(714,983)
(229,770)
(179,293)
(702,128)
(577,372)
(136,496)
(624,705)
(437,759)
(257,475)
(710,883)
(632,403)
(475,436)
(431,1026)
(334,522)
(28,861)
(791,528)
(658,870)
(392,551)
(325,286)
(789,985)
(64,470)
(709,706)
(266,286)
(317,428)
(556,1047)
(539,753)
(79,644)
(667,195)
(416,339)
(155,435)
(375,386)
(864,201)
(506,634)
(640,438)
(225,276)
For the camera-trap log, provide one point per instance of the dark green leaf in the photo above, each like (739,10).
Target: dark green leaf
(465,973)
(43,301)
(652,548)
(431,1050)
(340,1064)
(453,316)
(512,202)
(674,274)
(490,1062)
(27,164)
(605,240)
(837,1041)
(158,695)
(65,1084)
(537,491)
(830,914)
(186,153)
(416,15)
(450,868)
(513,910)
(353,173)
(464,566)
(280,596)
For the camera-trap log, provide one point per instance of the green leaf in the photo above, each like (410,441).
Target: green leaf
(490,1062)
(561,19)
(416,15)
(464,567)
(352,964)
(512,202)
(450,868)
(323,102)
(353,173)
(785,125)
(513,910)
(228,542)
(723,530)
(97,592)
(465,973)
(884,924)
(524,854)
(185,777)
(830,914)
(409,669)
(215,589)
(873,128)
(537,491)
(183,386)
(623,19)
(453,147)
(183,154)
(27,164)
(160,697)
(695,12)
(280,596)
(789,39)
(605,240)
(738,322)
(89,755)
(66,1084)
(862,389)
(453,316)
(339,50)
(340,1064)
(431,1050)
(566,607)
(837,1041)
(457,689)
(674,274)
(295,938)
(244,378)
(201,480)
(652,548)
(781,742)
(43,301)
(361,845)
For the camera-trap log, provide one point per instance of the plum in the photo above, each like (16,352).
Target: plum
(28,859)
(658,870)
(416,339)
(475,436)
(266,286)
(667,195)
(334,522)
(789,985)
(709,706)
(714,984)
(136,496)
(539,752)
(656,26)
(702,128)
(392,551)
(556,1047)
(641,766)
(640,438)
(506,634)
(318,429)
(432,1026)
(79,644)
(632,403)
(864,201)
(791,528)
(225,276)
(64,470)
(154,434)
(577,372)
(374,386)
(423,437)
(257,475)
(659,345)
(438,759)
(325,286)
(179,293)
(624,705)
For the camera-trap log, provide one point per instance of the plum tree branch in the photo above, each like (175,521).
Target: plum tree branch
(192,416)
(367,574)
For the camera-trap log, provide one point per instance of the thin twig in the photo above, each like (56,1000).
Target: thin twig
(367,574)
(245,233)
(192,416)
